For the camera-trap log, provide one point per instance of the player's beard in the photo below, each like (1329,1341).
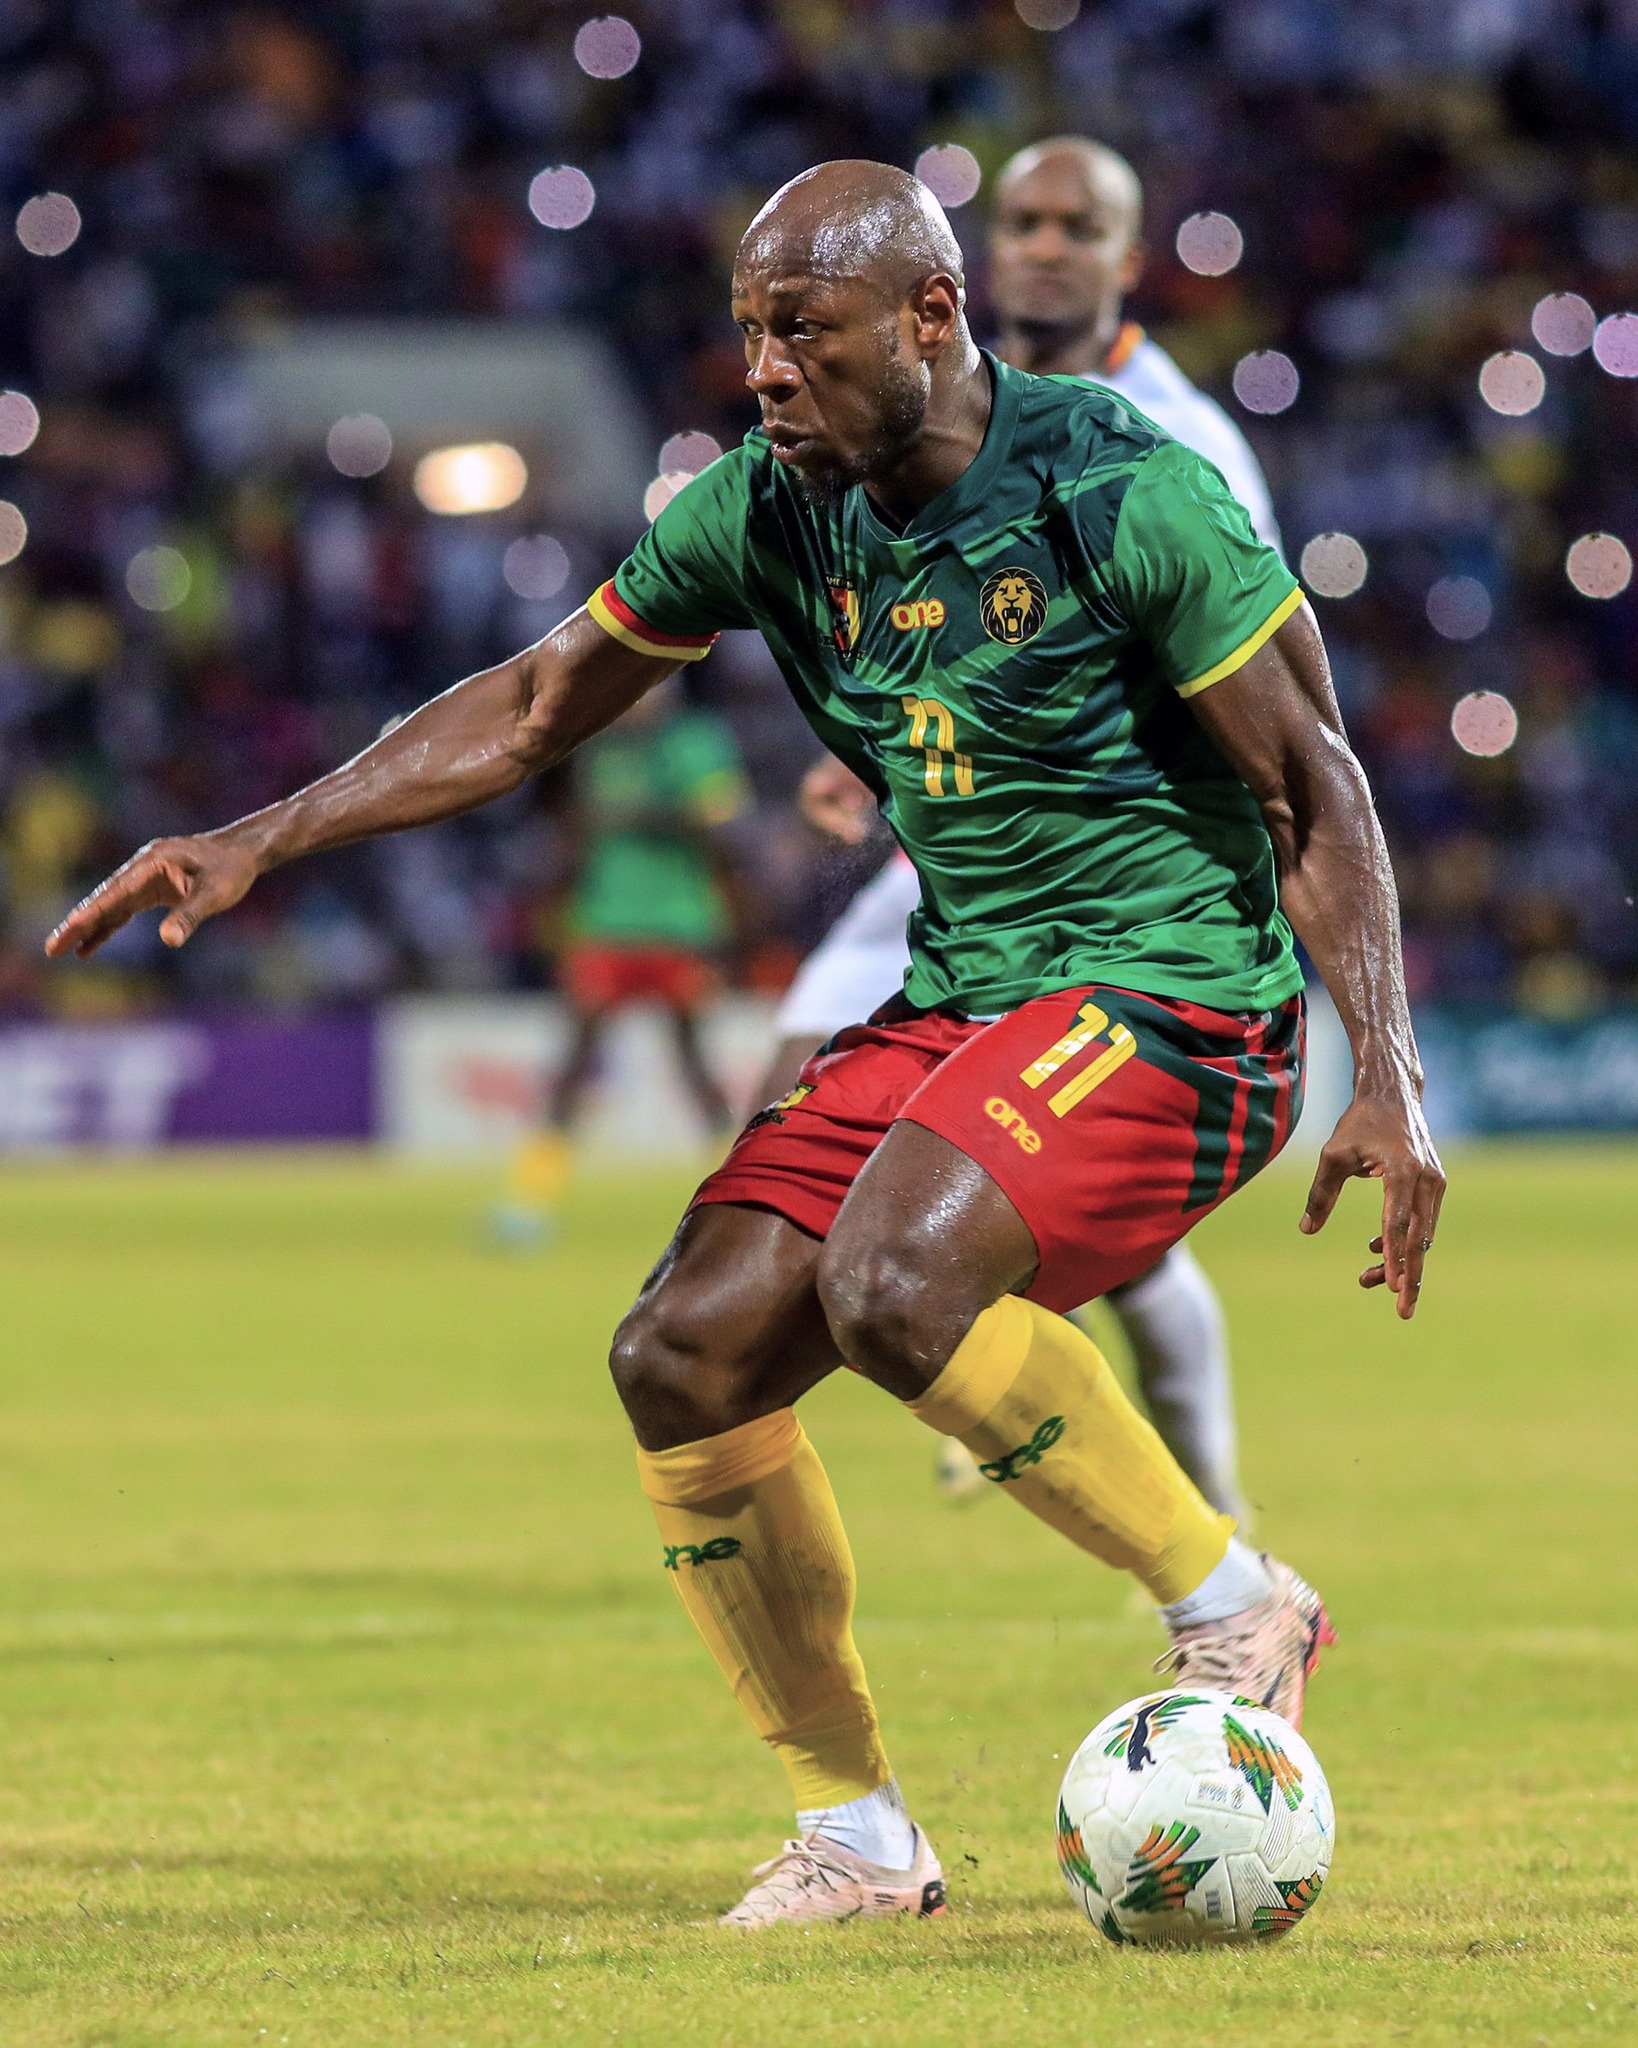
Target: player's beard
(903,392)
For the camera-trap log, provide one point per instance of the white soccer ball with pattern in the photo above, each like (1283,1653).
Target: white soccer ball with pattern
(1194,1816)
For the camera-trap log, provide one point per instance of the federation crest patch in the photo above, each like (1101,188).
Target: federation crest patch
(1013,606)
(844,625)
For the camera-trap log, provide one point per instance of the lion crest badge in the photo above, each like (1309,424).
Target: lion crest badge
(1013,606)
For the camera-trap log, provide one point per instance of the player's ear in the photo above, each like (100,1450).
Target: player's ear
(935,307)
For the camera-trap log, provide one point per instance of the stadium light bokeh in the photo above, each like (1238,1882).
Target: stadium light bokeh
(158,578)
(952,174)
(1266,381)
(49,224)
(1484,723)
(1615,344)
(663,489)
(690,450)
(13,532)
(1599,565)
(1459,608)
(607,46)
(474,476)
(19,422)
(536,567)
(1047,15)
(359,445)
(562,197)
(1210,244)
(1563,323)
(1334,565)
(1512,382)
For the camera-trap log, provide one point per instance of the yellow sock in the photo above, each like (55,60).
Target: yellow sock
(1035,1401)
(757,1552)
(539,1171)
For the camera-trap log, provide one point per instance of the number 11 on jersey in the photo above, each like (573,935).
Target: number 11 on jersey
(923,712)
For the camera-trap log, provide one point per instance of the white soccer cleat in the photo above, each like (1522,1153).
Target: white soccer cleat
(813,1879)
(1266,1654)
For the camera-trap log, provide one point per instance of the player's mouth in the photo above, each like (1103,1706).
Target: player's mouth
(787,444)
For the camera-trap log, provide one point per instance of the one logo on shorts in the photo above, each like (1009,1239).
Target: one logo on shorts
(919,617)
(1013,606)
(719,1547)
(844,625)
(1011,1120)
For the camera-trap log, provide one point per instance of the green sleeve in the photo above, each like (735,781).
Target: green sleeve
(1190,574)
(685,579)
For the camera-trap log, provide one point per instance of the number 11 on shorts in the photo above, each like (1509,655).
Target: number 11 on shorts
(1089,1022)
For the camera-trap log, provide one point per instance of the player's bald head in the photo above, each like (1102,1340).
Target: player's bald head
(1109,181)
(853,219)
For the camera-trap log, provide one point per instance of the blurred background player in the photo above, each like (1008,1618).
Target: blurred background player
(648,910)
(1065,248)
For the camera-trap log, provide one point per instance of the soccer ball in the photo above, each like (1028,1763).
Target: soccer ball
(1194,1816)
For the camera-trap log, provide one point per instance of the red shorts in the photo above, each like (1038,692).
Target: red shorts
(1112,1121)
(602,977)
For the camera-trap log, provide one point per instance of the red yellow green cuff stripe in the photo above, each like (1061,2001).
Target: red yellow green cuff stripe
(616,617)
(1246,649)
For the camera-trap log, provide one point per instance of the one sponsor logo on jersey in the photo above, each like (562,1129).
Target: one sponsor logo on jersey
(1013,606)
(844,625)
(719,1547)
(1011,1120)
(926,612)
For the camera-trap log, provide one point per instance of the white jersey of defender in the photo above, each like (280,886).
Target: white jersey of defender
(862,960)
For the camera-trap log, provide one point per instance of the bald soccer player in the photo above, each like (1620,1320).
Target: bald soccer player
(1096,711)
(1066,247)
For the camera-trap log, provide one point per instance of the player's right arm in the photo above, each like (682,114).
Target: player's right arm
(682,583)
(474,743)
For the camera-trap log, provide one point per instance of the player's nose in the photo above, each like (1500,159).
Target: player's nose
(771,373)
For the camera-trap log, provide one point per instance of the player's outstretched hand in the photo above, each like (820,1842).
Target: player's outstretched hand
(196,878)
(1388,1140)
(836,801)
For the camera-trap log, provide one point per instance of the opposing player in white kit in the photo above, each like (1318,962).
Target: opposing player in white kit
(1065,248)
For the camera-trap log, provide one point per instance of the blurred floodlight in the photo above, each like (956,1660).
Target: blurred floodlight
(1599,565)
(158,578)
(1615,344)
(479,476)
(13,531)
(1266,381)
(536,567)
(691,451)
(1334,565)
(1459,607)
(950,173)
(1563,323)
(1512,382)
(359,445)
(1483,722)
(19,422)
(663,489)
(607,46)
(1047,14)
(48,225)
(1210,244)
(561,197)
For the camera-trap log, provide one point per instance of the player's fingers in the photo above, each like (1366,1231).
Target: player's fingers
(142,885)
(1334,1169)
(202,896)
(1373,1276)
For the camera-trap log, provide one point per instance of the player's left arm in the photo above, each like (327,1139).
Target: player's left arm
(1276,721)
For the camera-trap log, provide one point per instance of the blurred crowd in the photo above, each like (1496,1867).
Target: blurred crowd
(1410,179)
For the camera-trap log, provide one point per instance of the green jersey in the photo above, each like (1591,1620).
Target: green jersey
(650,793)
(1007,674)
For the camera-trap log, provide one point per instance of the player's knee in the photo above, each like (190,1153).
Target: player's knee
(673,1375)
(883,1312)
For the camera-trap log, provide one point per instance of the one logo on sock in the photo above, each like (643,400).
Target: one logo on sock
(1014,1463)
(719,1547)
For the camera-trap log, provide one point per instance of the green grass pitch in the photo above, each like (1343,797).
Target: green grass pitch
(343,1701)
